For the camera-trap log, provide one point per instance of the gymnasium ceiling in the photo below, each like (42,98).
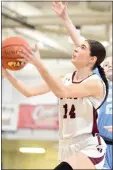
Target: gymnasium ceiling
(37,23)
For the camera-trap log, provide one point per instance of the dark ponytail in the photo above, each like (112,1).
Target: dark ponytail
(98,50)
(103,76)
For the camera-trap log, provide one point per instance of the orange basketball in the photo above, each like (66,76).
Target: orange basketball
(12,51)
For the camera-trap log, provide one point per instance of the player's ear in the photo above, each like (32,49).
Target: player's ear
(93,59)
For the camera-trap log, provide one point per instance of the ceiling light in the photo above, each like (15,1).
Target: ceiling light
(31,150)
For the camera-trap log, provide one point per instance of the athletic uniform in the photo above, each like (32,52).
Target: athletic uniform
(78,128)
(105,119)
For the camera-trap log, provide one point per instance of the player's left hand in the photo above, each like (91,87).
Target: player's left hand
(34,57)
(60,9)
(109,128)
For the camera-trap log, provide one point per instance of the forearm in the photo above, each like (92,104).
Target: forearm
(19,85)
(28,90)
(54,84)
(72,31)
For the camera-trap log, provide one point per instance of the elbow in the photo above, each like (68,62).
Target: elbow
(61,94)
(58,95)
(27,95)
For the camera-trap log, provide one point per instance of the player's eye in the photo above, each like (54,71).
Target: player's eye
(83,47)
(105,65)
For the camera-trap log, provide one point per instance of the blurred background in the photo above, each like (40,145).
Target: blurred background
(30,125)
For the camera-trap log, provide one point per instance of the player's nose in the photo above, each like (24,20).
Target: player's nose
(110,66)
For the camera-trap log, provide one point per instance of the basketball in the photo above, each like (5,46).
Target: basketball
(12,52)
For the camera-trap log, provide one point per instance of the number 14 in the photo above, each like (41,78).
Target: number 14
(71,112)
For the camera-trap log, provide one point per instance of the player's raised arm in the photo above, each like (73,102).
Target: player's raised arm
(57,87)
(26,90)
(61,11)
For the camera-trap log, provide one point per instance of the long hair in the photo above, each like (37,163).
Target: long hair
(98,50)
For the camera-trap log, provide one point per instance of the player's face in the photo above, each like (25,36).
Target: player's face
(81,57)
(107,65)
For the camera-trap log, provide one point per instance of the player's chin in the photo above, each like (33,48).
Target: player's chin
(109,75)
(109,72)
(73,62)
(73,59)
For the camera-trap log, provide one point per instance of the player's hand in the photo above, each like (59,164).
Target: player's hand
(60,9)
(32,58)
(109,128)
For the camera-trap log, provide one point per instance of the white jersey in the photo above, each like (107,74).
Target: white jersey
(77,116)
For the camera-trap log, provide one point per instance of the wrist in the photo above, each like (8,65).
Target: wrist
(39,65)
(41,68)
(67,21)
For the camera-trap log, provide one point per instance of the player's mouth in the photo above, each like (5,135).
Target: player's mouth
(109,70)
(73,56)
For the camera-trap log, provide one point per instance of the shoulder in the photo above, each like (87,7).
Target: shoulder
(67,77)
(95,84)
(94,81)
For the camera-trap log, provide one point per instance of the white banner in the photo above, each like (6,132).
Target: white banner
(10,117)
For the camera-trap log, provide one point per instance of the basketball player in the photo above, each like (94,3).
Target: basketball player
(61,11)
(105,116)
(80,94)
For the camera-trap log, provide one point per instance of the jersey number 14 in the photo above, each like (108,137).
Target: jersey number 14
(71,112)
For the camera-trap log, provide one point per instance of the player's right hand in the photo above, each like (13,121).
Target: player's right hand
(60,9)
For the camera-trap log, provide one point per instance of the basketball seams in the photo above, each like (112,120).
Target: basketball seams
(19,46)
